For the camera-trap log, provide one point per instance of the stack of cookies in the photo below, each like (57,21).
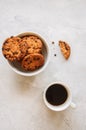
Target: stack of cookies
(27,50)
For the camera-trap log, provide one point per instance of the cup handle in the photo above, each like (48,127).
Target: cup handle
(73,105)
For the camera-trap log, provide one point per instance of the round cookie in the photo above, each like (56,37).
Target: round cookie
(11,48)
(34,44)
(33,61)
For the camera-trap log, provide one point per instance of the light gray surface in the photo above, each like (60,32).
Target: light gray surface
(21,103)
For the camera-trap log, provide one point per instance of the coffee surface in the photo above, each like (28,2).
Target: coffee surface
(56,94)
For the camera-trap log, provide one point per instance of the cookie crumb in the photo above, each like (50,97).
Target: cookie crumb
(55,55)
(53,42)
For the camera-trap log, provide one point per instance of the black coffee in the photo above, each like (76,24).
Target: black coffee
(56,94)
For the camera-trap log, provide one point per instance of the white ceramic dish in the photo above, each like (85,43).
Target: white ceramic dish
(16,67)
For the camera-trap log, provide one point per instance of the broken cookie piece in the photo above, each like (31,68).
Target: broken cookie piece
(65,49)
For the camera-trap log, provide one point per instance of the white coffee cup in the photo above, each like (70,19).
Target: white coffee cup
(68,101)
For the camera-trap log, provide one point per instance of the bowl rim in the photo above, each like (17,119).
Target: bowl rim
(45,64)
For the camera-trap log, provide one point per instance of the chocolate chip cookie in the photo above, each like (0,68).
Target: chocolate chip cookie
(34,44)
(65,49)
(32,61)
(11,49)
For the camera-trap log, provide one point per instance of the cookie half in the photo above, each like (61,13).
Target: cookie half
(65,49)
(33,61)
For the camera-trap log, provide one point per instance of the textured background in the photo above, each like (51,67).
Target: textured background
(21,103)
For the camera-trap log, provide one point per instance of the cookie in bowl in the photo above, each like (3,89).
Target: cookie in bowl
(34,44)
(33,61)
(11,49)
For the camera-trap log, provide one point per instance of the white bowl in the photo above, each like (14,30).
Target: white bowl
(16,67)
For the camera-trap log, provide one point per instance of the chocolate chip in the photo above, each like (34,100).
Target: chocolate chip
(5,43)
(15,52)
(7,49)
(11,36)
(35,58)
(38,58)
(30,61)
(35,40)
(4,55)
(36,66)
(2,48)
(26,60)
